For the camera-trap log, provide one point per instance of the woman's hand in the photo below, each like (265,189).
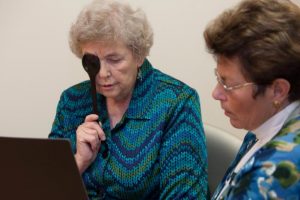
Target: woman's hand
(88,142)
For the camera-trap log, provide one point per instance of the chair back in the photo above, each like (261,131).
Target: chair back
(222,148)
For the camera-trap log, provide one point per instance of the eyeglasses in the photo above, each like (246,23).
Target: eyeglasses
(230,88)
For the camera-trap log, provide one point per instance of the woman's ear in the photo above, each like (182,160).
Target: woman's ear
(140,61)
(281,88)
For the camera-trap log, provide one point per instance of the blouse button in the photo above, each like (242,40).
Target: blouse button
(102,193)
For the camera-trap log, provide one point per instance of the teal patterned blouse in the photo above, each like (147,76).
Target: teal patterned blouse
(156,151)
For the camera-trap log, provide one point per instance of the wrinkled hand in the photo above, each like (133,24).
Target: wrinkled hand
(88,142)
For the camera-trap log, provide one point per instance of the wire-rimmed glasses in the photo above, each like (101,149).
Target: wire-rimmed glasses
(230,88)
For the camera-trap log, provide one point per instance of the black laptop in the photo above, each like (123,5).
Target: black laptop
(39,169)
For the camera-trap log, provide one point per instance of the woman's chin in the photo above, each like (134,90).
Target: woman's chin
(236,124)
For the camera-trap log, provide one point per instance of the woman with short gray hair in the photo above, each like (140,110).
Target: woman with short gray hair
(146,139)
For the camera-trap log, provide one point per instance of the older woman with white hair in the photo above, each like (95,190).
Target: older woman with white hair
(147,140)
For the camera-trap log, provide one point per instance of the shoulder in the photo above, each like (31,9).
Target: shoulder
(75,94)
(78,89)
(287,141)
(283,148)
(275,167)
(172,86)
(75,103)
(154,80)
(270,169)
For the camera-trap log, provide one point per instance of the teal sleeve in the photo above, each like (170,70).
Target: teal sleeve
(62,126)
(183,156)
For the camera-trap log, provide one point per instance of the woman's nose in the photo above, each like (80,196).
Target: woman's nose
(104,70)
(218,93)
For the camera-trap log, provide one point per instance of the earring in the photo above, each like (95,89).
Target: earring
(139,75)
(276,104)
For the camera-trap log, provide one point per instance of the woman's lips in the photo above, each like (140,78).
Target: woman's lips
(226,112)
(107,86)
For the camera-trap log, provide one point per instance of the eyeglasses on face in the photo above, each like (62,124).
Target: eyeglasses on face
(230,88)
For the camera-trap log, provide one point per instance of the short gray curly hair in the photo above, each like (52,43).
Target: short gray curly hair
(112,21)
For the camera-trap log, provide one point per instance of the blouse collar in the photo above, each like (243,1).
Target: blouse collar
(271,127)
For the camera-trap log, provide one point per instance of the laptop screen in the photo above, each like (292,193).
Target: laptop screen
(38,169)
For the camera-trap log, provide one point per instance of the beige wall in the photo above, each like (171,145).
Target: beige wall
(36,64)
